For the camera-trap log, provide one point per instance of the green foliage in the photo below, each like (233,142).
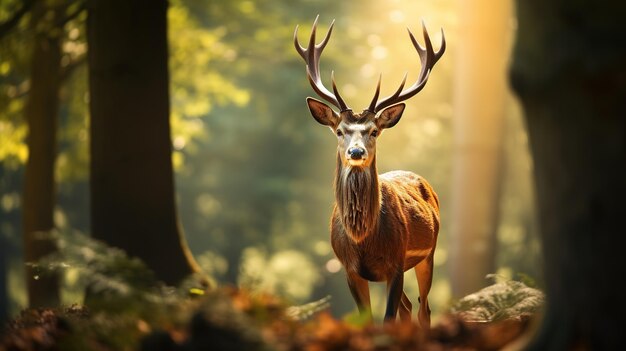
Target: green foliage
(357,319)
(287,273)
(124,298)
(507,299)
(12,148)
(14,82)
(14,54)
(106,271)
(198,58)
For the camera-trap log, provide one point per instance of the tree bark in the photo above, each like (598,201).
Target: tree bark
(4,260)
(132,188)
(41,111)
(570,75)
(479,100)
(4,269)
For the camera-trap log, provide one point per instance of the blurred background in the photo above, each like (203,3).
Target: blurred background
(254,170)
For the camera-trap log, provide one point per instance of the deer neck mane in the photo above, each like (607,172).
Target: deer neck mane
(357,198)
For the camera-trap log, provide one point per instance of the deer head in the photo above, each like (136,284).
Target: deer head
(357,132)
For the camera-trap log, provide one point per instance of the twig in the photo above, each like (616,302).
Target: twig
(8,25)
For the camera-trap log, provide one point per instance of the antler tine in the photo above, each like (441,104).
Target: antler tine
(311,56)
(322,45)
(311,48)
(399,90)
(427,54)
(342,104)
(428,58)
(372,106)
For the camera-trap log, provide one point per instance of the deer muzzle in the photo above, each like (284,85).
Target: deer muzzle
(356,156)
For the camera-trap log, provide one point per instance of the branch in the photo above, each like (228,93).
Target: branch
(80,8)
(22,89)
(8,25)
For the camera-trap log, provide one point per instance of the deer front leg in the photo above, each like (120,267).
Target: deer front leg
(361,294)
(394,294)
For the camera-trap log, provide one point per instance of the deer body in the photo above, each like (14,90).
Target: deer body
(382,225)
(402,234)
(407,222)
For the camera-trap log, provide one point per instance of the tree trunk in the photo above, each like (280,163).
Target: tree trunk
(479,100)
(570,75)
(41,113)
(132,188)
(4,252)
(4,270)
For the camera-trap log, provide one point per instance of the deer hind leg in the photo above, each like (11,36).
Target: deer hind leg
(405,308)
(424,273)
(361,294)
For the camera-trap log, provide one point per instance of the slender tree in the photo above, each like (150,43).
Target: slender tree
(132,194)
(480,97)
(570,75)
(41,111)
(4,298)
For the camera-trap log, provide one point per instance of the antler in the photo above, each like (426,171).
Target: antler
(311,56)
(428,58)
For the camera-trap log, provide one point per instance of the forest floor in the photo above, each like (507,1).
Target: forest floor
(231,319)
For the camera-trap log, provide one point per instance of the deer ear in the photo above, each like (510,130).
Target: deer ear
(322,113)
(388,117)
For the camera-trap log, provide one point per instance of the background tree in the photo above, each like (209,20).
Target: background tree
(41,111)
(569,73)
(479,115)
(4,299)
(32,73)
(6,26)
(132,195)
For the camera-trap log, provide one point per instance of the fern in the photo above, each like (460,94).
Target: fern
(306,311)
(128,308)
(503,300)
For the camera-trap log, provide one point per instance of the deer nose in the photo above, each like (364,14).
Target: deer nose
(356,153)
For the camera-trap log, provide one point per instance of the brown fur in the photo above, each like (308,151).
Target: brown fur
(380,228)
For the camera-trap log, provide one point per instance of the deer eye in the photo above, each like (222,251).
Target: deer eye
(339,132)
(374,133)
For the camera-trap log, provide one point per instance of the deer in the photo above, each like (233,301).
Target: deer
(381,225)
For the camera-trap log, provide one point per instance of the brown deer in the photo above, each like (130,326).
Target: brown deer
(381,225)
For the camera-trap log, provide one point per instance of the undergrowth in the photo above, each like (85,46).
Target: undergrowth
(127,308)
